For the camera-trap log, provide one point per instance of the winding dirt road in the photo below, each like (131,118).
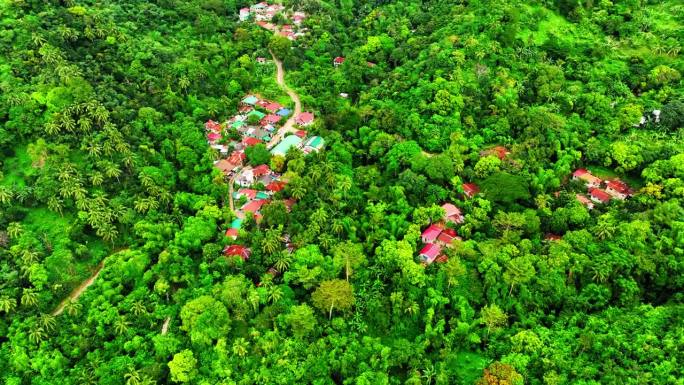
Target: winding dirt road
(79,290)
(289,126)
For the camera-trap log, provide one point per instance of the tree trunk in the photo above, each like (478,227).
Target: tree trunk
(332,304)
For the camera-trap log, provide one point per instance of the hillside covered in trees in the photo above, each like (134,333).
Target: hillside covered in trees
(499,199)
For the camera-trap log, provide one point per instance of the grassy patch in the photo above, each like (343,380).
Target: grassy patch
(467,366)
(17,168)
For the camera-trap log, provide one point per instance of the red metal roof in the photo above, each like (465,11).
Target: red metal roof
(618,186)
(237,157)
(273,107)
(583,199)
(254,206)
(470,189)
(430,251)
(237,250)
(601,195)
(213,136)
(248,192)
(339,60)
(212,125)
(232,233)
(275,186)
(301,133)
(271,119)
(261,169)
(305,118)
(249,141)
(431,233)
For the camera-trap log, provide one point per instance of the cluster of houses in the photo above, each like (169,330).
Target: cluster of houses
(263,14)
(257,121)
(438,236)
(600,191)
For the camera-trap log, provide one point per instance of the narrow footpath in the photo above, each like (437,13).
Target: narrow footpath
(78,290)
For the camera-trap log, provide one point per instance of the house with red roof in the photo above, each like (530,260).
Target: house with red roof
(213,137)
(288,34)
(263,103)
(225,166)
(447,236)
(301,133)
(618,189)
(270,119)
(246,192)
(585,201)
(599,196)
(305,118)
(244,14)
(211,125)
(431,233)
(275,186)
(261,170)
(585,176)
(245,109)
(337,61)
(237,251)
(452,213)
(429,252)
(237,157)
(273,107)
(254,206)
(289,203)
(232,233)
(470,189)
(249,141)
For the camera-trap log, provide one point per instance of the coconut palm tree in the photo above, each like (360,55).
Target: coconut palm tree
(14,230)
(240,346)
(47,322)
(72,307)
(5,195)
(7,304)
(36,335)
(29,298)
(139,308)
(121,325)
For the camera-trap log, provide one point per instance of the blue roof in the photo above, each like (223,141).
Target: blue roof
(236,224)
(286,144)
(284,112)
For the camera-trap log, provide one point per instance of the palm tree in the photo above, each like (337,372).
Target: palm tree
(5,195)
(55,204)
(132,377)
(36,335)
(283,262)
(72,307)
(47,322)
(14,229)
(29,298)
(275,294)
(139,308)
(7,304)
(297,191)
(121,325)
(271,241)
(240,347)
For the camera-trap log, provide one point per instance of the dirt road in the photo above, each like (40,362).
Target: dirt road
(289,126)
(79,290)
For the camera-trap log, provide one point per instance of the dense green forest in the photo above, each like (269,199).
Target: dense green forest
(108,191)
